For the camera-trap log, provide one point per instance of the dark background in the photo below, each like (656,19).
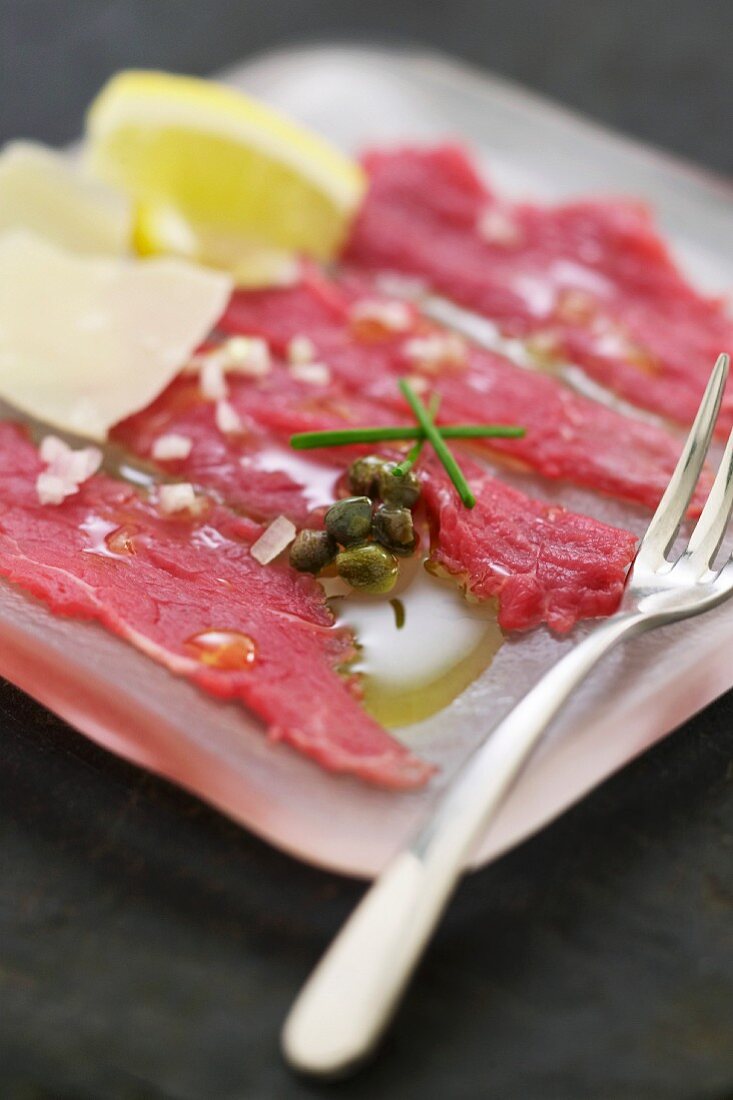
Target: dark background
(148,947)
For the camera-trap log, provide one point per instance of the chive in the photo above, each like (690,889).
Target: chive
(414,453)
(482,431)
(439,446)
(399,613)
(344,437)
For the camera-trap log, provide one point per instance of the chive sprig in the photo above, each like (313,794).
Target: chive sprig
(345,437)
(426,430)
(439,445)
(414,452)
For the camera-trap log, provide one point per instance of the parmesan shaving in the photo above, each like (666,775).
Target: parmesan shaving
(87,341)
(42,190)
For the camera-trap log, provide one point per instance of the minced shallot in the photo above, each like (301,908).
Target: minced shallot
(66,469)
(273,540)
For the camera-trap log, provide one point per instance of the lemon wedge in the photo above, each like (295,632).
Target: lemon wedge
(42,191)
(218,176)
(161,230)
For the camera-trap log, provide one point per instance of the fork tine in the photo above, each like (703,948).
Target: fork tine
(666,522)
(710,529)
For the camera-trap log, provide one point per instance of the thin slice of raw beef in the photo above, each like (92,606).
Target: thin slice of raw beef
(254,469)
(541,563)
(186,590)
(506,526)
(568,437)
(590,282)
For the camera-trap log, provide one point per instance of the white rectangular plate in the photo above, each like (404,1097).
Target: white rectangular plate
(126,703)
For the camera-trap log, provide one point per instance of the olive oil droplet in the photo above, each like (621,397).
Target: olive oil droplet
(229,650)
(121,540)
(420,650)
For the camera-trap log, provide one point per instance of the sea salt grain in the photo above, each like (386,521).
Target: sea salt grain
(171,446)
(176,498)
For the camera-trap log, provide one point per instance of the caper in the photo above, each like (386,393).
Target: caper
(312,551)
(393,527)
(349,521)
(368,567)
(364,474)
(401,492)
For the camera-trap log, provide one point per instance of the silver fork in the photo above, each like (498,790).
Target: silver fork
(352,994)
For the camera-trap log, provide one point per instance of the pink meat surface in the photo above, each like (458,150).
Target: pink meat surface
(568,437)
(187,592)
(591,282)
(254,470)
(540,562)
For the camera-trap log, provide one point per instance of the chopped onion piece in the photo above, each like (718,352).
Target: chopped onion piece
(78,465)
(227,418)
(248,355)
(315,374)
(171,446)
(52,448)
(301,349)
(392,316)
(66,469)
(52,489)
(430,353)
(176,498)
(273,540)
(211,378)
(497,226)
(419,384)
(401,286)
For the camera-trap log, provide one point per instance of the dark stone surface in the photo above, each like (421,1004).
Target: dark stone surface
(149,948)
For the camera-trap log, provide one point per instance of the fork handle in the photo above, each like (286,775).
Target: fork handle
(350,997)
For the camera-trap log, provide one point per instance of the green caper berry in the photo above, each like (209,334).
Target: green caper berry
(312,551)
(349,521)
(363,475)
(402,492)
(393,527)
(368,567)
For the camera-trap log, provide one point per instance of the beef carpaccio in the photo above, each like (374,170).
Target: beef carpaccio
(522,538)
(590,282)
(186,591)
(568,437)
(542,563)
(587,281)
